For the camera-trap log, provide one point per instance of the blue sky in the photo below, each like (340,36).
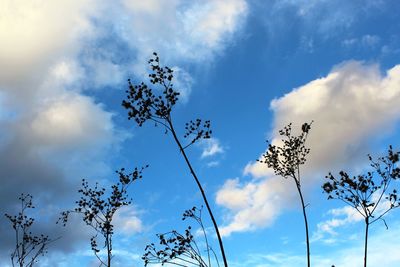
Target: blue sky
(251,67)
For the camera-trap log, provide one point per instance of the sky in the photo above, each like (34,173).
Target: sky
(251,67)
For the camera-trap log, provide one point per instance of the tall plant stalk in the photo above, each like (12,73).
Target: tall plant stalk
(286,160)
(203,194)
(366,241)
(142,105)
(303,206)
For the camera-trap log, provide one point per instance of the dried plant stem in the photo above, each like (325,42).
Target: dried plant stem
(221,245)
(366,241)
(305,223)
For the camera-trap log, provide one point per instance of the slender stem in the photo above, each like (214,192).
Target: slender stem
(305,223)
(206,239)
(201,191)
(366,240)
(108,251)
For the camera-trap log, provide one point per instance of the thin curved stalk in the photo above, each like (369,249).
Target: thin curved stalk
(366,241)
(201,191)
(305,225)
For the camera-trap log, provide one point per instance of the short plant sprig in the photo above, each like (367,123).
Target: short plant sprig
(197,130)
(28,247)
(180,249)
(286,160)
(145,105)
(98,209)
(365,192)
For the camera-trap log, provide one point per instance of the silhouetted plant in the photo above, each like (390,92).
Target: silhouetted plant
(286,160)
(98,209)
(28,247)
(181,249)
(365,192)
(143,104)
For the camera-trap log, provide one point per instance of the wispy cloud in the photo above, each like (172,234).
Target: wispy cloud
(182,32)
(212,164)
(365,41)
(332,17)
(194,30)
(383,247)
(341,217)
(211,147)
(327,231)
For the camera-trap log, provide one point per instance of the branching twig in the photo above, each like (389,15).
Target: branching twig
(360,191)
(98,210)
(28,247)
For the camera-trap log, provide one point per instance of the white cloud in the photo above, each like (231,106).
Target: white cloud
(211,147)
(126,221)
(209,23)
(72,120)
(257,170)
(350,106)
(254,204)
(234,196)
(34,33)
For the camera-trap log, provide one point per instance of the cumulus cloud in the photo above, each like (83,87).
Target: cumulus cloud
(47,152)
(350,106)
(71,120)
(254,204)
(31,39)
(54,131)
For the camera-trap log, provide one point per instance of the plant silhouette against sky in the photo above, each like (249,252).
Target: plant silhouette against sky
(98,209)
(144,104)
(286,160)
(368,193)
(181,249)
(28,247)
